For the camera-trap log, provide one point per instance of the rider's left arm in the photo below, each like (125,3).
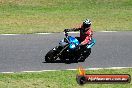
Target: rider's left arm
(86,41)
(88,38)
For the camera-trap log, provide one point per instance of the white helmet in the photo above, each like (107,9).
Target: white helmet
(86,23)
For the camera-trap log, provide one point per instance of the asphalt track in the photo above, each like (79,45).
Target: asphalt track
(26,52)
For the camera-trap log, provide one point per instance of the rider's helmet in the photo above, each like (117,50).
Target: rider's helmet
(86,23)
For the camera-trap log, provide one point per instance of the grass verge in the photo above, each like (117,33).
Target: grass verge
(33,16)
(57,79)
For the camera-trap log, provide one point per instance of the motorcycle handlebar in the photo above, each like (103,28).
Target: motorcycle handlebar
(66,33)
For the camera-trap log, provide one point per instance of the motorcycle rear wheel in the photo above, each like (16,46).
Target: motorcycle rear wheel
(85,55)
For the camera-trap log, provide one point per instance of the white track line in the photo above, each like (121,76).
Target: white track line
(108,31)
(70,69)
(9,34)
(43,33)
(41,71)
(107,68)
(52,33)
(6,72)
(73,32)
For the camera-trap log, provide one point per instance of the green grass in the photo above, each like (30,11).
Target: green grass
(32,16)
(57,79)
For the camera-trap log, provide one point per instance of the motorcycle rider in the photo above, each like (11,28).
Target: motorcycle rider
(86,33)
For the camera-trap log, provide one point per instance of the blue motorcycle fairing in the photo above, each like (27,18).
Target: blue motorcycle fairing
(73,42)
(93,41)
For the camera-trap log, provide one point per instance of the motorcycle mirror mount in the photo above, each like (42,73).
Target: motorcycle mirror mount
(66,34)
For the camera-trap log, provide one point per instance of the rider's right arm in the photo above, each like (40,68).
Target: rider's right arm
(75,29)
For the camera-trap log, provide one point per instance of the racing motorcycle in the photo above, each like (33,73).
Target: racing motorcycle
(68,50)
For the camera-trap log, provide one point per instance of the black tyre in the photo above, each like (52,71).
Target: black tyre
(51,56)
(84,55)
(63,58)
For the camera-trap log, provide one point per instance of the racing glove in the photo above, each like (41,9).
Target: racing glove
(66,30)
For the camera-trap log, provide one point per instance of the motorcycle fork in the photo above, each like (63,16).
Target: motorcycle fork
(61,51)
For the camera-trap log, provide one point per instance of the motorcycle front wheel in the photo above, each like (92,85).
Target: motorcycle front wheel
(51,56)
